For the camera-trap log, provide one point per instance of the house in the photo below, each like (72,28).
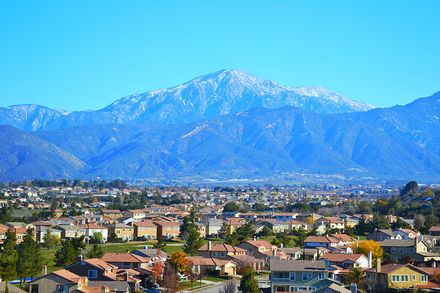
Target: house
(58,281)
(154,254)
(126,260)
(213,227)
(204,266)
(395,276)
(122,231)
(297,225)
(167,229)
(220,250)
(331,223)
(146,230)
(399,250)
(326,241)
(45,230)
(135,214)
(298,275)
(382,234)
(243,261)
(407,234)
(261,249)
(234,223)
(202,228)
(93,228)
(112,214)
(69,232)
(347,260)
(94,269)
(3,230)
(275,225)
(434,231)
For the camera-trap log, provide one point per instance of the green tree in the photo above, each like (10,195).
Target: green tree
(161,243)
(231,207)
(356,275)
(224,231)
(248,282)
(9,258)
(241,234)
(95,252)
(66,254)
(29,262)
(97,238)
(189,232)
(50,240)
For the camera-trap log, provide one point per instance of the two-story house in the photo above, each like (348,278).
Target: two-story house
(298,275)
(220,250)
(167,229)
(145,230)
(122,231)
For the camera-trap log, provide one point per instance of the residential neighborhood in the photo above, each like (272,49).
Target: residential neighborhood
(183,239)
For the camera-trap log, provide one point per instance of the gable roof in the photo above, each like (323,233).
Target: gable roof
(221,247)
(296,265)
(69,276)
(112,257)
(341,257)
(385,269)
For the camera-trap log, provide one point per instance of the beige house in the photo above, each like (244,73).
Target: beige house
(204,266)
(122,231)
(145,230)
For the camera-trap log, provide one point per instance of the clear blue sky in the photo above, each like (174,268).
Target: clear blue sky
(85,54)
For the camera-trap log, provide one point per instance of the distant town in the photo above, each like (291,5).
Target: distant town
(99,236)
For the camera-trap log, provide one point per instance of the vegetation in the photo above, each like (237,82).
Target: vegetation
(248,282)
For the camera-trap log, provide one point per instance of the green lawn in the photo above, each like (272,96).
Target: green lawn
(186,285)
(217,278)
(173,249)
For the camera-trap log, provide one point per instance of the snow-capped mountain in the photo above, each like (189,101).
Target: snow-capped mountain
(205,97)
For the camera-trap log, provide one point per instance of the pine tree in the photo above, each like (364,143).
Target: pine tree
(189,232)
(66,254)
(8,258)
(248,283)
(95,252)
(29,262)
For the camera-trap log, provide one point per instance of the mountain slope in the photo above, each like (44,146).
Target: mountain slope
(26,156)
(28,117)
(205,97)
(263,142)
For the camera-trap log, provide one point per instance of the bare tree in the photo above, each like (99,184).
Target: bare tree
(170,279)
(229,287)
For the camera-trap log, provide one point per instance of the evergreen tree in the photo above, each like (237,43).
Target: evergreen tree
(50,240)
(160,243)
(189,232)
(29,262)
(95,252)
(248,282)
(8,258)
(66,254)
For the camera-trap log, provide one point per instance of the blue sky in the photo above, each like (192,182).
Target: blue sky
(85,54)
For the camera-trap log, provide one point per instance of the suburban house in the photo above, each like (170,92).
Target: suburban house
(331,223)
(220,250)
(326,241)
(213,226)
(126,260)
(297,225)
(45,230)
(297,275)
(135,214)
(347,260)
(395,276)
(407,234)
(383,234)
(434,231)
(58,281)
(93,228)
(68,231)
(146,230)
(399,250)
(203,266)
(112,214)
(154,254)
(167,229)
(122,231)
(94,269)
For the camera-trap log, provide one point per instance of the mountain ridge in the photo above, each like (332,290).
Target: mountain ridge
(204,97)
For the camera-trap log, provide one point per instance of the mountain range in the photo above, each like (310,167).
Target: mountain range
(226,124)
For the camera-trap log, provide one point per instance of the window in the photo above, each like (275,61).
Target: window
(293,289)
(321,276)
(34,288)
(395,278)
(292,276)
(404,278)
(307,276)
(281,275)
(413,277)
(62,289)
(92,274)
(424,278)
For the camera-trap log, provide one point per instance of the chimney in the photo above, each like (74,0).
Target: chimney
(434,264)
(370,259)
(274,252)
(80,257)
(378,265)
(44,270)
(146,247)
(209,245)
(126,276)
(353,288)
(255,238)
(103,289)
(282,245)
